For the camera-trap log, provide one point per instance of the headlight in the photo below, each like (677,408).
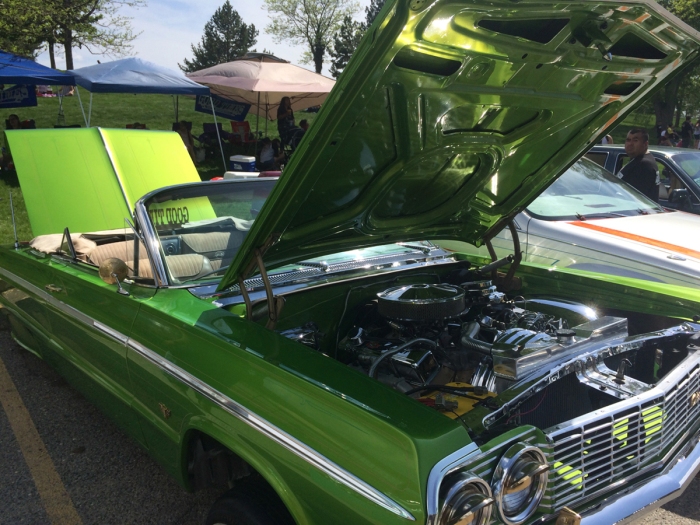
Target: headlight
(519,482)
(468,501)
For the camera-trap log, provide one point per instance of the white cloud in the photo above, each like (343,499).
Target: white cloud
(169,27)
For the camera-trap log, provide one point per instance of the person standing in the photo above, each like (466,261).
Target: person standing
(641,171)
(285,120)
(687,133)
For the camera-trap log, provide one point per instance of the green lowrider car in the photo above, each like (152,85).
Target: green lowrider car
(300,345)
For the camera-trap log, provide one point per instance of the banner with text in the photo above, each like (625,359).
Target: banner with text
(18,97)
(223,107)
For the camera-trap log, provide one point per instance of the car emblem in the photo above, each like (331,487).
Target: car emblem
(694,398)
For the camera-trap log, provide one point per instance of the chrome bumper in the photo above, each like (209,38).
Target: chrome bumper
(639,499)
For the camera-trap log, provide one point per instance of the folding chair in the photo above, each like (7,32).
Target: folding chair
(240,134)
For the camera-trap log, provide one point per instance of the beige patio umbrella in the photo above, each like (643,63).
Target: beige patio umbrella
(262,80)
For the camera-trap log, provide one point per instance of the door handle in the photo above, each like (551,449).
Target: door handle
(53,288)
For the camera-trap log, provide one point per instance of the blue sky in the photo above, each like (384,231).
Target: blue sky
(169,27)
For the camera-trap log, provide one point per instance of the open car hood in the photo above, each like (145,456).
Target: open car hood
(89,179)
(452,116)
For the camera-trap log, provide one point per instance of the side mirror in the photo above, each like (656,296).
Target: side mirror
(679,195)
(114,271)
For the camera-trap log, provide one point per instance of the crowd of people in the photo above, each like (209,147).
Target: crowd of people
(687,137)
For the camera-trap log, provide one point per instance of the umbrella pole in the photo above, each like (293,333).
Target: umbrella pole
(218,136)
(257,126)
(82,109)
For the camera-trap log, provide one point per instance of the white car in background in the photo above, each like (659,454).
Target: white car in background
(590,220)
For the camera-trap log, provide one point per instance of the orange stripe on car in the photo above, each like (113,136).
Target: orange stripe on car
(639,238)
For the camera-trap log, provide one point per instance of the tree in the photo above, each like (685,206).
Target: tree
(667,99)
(308,22)
(23,25)
(371,11)
(345,42)
(348,37)
(95,25)
(225,37)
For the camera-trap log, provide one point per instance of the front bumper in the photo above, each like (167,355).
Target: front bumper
(636,500)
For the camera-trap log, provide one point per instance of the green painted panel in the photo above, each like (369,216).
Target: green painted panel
(148,160)
(63,178)
(68,179)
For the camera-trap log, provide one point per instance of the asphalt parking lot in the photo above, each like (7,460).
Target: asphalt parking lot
(63,463)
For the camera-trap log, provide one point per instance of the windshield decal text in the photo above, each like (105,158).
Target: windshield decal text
(170,216)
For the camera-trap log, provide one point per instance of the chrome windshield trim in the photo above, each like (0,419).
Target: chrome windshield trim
(152,245)
(273,432)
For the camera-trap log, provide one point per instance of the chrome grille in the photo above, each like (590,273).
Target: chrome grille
(592,453)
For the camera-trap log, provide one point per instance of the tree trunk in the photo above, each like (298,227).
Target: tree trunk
(665,102)
(68,46)
(319,52)
(52,54)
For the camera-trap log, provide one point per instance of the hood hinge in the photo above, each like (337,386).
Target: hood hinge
(274,304)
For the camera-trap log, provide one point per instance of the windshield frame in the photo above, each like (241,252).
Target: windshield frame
(149,230)
(651,206)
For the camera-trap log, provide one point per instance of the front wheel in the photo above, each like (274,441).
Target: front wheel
(251,504)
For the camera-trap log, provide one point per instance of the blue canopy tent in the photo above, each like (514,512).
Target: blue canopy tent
(15,69)
(133,75)
(22,71)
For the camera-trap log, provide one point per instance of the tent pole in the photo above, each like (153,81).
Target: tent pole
(176,102)
(257,126)
(77,90)
(218,136)
(89,111)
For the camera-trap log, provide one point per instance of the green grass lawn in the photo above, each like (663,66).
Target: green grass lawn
(116,111)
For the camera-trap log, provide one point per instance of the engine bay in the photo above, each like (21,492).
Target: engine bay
(473,353)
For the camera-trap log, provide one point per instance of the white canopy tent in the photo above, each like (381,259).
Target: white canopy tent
(262,81)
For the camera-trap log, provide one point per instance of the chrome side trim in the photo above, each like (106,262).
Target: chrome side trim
(63,307)
(273,432)
(112,333)
(263,426)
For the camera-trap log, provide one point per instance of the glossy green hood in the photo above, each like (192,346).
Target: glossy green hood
(89,179)
(453,115)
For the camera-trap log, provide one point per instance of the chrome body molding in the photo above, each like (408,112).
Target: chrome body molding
(263,426)
(278,435)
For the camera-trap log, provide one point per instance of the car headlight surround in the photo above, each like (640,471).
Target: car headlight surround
(519,482)
(467,501)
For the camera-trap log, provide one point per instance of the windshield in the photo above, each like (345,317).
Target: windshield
(587,191)
(201,226)
(690,163)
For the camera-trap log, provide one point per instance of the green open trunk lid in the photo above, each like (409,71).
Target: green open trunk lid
(453,115)
(89,179)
